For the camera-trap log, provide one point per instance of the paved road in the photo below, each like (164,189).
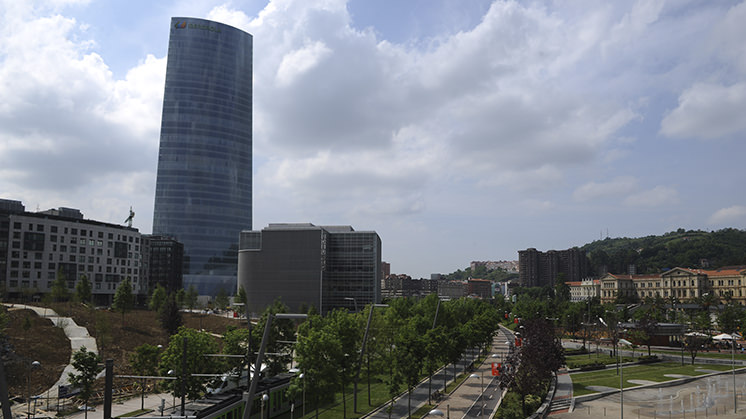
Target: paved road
(478,396)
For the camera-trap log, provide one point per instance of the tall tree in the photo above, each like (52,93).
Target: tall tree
(83,289)
(539,355)
(198,344)
(87,366)
(123,298)
(145,362)
(221,300)
(170,315)
(59,291)
(157,298)
(190,298)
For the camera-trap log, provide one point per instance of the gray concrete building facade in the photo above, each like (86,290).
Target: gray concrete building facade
(305,265)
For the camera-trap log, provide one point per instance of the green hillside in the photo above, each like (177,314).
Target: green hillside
(653,254)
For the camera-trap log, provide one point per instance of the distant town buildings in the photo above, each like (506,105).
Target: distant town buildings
(37,247)
(203,193)
(538,269)
(507,265)
(304,265)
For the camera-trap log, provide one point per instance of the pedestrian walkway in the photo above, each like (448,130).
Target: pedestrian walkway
(563,394)
(479,395)
(78,335)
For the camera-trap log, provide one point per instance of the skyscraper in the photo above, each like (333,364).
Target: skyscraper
(203,189)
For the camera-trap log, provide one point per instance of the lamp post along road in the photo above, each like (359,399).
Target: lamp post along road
(362,352)
(260,358)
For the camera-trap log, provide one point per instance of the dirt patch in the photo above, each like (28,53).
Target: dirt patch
(32,338)
(117,337)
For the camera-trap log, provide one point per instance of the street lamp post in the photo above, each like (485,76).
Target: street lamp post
(264,400)
(733,365)
(619,370)
(303,400)
(354,302)
(362,352)
(34,365)
(481,395)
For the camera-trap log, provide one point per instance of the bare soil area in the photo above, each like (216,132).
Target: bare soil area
(117,337)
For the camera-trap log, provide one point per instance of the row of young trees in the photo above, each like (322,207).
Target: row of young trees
(406,342)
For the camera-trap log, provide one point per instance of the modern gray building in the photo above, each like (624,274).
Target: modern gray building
(37,247)
(204,182)
(306,265)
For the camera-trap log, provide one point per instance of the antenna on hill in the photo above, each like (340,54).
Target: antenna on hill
(130,218)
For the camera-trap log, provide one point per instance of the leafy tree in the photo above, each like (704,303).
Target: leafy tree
(539,355)
(145,362)
(157,298)
(241,298)
(221,300)
(123,298)
(646,326)
(181,297)
(83,289)
(283,330)
(59,290)
(103,331)
(408,354)
(238,342)
(198,344)
(190,298)
(731,318)
(170,316)
(318,351)
(693,342)
(87,366)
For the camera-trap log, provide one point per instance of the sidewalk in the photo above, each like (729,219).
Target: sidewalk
(467,401)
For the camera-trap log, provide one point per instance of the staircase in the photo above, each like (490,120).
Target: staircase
(560,405)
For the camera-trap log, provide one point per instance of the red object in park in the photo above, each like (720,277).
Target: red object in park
(517,342)
(506,315)
(515,320)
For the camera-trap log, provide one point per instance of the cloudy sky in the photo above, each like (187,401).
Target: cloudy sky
(457,130)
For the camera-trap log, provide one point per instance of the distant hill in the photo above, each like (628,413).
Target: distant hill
(653,254)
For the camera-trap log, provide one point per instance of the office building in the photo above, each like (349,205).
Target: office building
(36,247)
(304,265)
(165,260)
(203,186)
(539,269)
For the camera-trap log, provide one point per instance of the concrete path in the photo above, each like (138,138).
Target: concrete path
(478,396)
(78,336)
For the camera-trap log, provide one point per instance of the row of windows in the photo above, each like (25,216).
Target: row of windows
(74,231)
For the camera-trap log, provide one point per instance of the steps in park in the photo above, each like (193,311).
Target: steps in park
(560,405)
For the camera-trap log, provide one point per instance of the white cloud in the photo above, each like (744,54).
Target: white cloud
(71,134)
(731,216)
(656,197)
(619,186)
(708,111)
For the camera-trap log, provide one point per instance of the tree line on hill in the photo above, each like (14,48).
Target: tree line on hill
(680,248)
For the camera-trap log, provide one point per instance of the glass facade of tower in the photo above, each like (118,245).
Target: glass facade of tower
(203,187)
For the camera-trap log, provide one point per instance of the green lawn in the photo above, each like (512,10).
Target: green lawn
(649,372)
(577,361)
